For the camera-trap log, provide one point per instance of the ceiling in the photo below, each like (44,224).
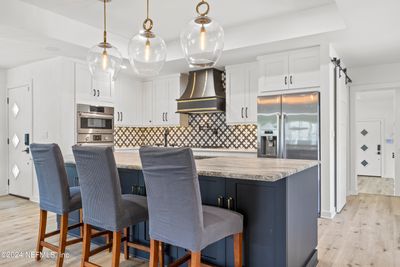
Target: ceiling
(367,33)
(126,16)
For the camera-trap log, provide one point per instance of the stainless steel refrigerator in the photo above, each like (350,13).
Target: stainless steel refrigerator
(289,126)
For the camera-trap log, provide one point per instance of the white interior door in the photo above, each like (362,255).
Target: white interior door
(20,133)
(369,148)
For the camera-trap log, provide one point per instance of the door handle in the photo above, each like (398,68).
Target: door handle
(166,116)
(291,79)
(26,150)
(285,80)
(94,92)
(283,141)
(242,112)
(163,116)
(246,112)
(122,116)
(118,116)
(98,93)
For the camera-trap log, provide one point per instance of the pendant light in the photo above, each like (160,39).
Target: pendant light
(202,40)
(147,51)
(104,60)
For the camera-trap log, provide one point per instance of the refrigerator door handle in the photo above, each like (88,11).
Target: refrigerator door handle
(279,141)
(283,135)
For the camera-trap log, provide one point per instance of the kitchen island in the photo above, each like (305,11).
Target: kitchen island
(278,198)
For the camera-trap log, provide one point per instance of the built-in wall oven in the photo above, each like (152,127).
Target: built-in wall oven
(95,125)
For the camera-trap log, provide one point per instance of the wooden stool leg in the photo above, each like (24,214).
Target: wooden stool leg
(161,253)
(109,240)
(195,259)
(81,221)
(42,232)
(238,249)
(126,248)
(87,231)
(63,239)
(116,249)
(154,253)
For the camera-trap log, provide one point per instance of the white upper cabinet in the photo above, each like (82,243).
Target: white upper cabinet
(89,90)
(161,101)
(291,70)
(274,71)
(147,100)
(166,90)
(242,88)
(128,102)
(304,68)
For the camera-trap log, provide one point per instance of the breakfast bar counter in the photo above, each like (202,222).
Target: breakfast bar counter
(277,197)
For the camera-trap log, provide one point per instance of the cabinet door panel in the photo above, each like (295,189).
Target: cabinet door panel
(161,103)
(236,94)
(304,68)
(274,73)
(104,87)
(147,95)
(83,83)
(128,102)
(252,92)
(174,90)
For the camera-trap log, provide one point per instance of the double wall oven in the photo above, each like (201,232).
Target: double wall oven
(95,125)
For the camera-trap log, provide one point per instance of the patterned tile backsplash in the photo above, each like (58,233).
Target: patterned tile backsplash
(204,131)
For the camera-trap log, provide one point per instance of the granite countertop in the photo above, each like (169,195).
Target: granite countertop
(257,169)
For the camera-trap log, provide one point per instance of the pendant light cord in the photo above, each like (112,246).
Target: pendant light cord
(105,22)
(147,9)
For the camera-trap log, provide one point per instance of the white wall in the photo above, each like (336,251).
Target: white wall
(3,134)
(380,105)
(53,87)
(378,74)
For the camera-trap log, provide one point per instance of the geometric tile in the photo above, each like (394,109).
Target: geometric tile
(364,132)
(15,140)
(15,171)
(364,147)
(15,110)
(204,130)
(364,163)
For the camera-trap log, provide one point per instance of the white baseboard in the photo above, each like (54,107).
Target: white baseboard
(327,214)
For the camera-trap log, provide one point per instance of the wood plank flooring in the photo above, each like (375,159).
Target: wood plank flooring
(366,233)
(376,185)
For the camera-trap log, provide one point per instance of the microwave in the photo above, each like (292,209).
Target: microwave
(95,119)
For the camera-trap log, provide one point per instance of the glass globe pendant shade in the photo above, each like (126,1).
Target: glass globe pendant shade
(104,60)
(202,41)
(147,53)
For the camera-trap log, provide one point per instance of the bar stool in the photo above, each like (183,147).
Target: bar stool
(55,196)
(176,214)
(104,206)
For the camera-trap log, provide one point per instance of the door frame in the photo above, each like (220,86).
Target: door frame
(14,86)
(354,89)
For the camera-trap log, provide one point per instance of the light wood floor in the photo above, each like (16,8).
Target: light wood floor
(366,233)
(376,185)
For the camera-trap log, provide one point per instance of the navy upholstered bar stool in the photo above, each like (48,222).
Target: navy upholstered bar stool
(104,206)
(171,179)
(55,196)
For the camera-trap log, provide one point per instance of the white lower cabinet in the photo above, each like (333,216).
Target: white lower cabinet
(241,94)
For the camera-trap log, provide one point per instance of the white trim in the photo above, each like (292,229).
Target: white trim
(327,214)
